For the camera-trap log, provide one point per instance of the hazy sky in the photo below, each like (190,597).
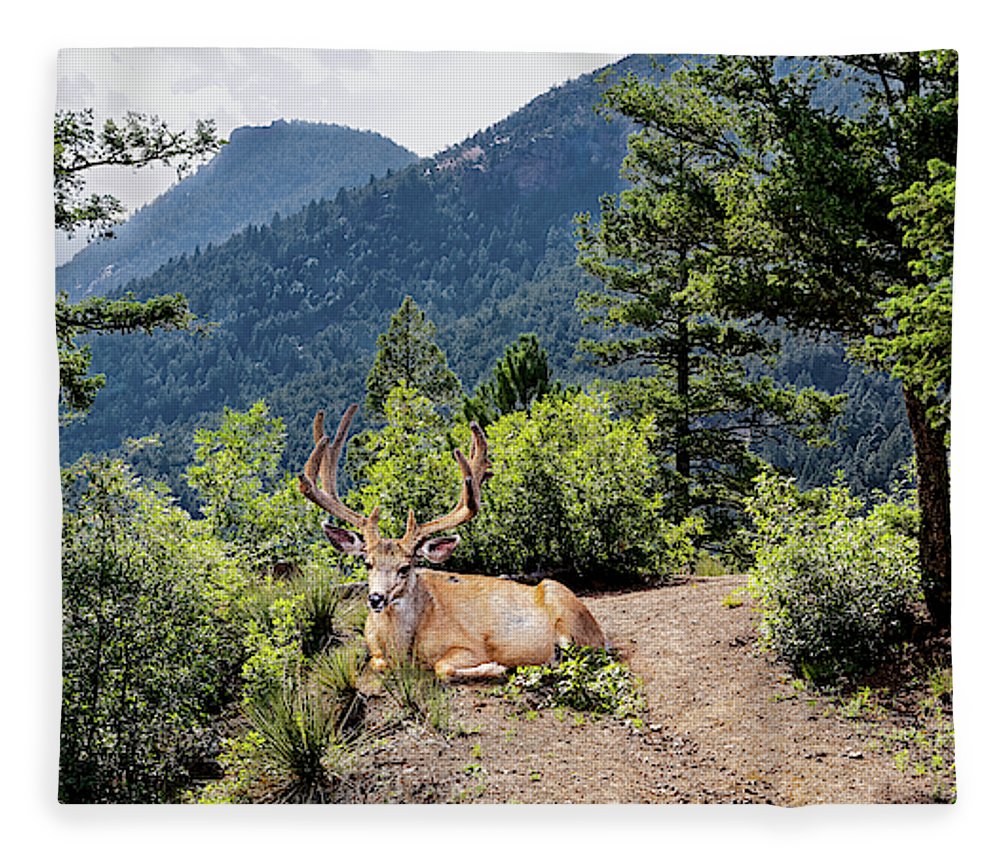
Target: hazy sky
(423,101)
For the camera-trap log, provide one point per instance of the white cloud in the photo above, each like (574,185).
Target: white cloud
(423,101)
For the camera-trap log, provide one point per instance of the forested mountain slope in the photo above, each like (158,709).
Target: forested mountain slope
(262,171)
(481,236)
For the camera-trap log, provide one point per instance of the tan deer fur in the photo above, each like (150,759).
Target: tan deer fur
(459,625)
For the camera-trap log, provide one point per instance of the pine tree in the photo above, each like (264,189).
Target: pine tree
(654,245)
(138,141)
(101,315)
(407,354)
(520,377)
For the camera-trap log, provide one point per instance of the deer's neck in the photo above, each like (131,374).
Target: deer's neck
(407,611)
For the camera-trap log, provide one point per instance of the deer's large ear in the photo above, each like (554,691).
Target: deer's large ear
(346,541)
(438,549)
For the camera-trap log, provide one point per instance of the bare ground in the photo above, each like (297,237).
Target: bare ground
(725,724)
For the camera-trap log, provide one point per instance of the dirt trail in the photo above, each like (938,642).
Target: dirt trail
(724,725)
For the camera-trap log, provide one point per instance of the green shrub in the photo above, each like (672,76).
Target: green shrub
(233,464)
(707,564)
(574,492)
(407,464)
(169,619)
(293,751)
(585,679)
(285,624)
(273,644)
(300,737)
(146,655)
(245,502)
(835,585)
(242,780)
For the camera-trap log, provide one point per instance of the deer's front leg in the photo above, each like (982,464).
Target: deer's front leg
(461,664)
(375,640)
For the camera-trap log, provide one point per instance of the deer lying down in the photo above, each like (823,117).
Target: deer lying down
(459,625)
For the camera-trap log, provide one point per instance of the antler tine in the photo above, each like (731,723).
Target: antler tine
(323,459)
(475,471)
(318,426)
(333,453)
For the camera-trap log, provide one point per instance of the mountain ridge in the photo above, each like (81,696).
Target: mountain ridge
(262,171)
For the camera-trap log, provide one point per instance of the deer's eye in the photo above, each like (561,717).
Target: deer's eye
(402,573)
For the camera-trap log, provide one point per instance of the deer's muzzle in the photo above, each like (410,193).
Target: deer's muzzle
(376,602)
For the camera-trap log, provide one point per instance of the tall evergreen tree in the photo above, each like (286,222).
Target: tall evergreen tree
(520,377)
(833,227)
(407,354)
(653,248)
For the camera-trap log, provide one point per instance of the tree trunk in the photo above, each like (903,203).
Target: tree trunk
(682,428)
(934,500)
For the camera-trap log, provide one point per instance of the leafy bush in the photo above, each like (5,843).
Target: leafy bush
(232,466)
(585,679)
(261,514)
(302,722)
(298,693)
(146,657)
(407,464)
(835,586)
(574,491)
(285,624)
(273,645)
(169,619)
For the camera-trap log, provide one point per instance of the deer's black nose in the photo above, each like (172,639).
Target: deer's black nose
(376,601)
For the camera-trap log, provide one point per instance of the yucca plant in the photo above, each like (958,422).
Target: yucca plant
(419,694)
(336,673)
(301,734)
(330,615)
(301,750)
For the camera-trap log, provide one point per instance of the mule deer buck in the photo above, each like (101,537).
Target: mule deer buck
(460,625)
